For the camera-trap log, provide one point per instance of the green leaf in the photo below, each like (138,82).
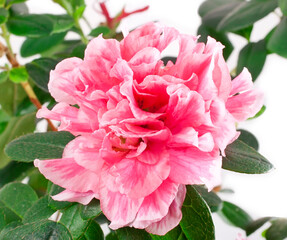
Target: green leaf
(39,71)
(196,220)
(18,75)
(283,6)
(11,2)
(79,51)
(205,31)
(11,95)
(132,234)
(2,3)
(212,200)
(38,182)
(14,171)
(248,138)
(44,230)
(79,11)
(16,127)
(261,111)
(244,159)
(252,56)
(8,227)
(215,16)
(4,14)
(92,231)
(6,216)
(100,30)
(4,76)
(245,32)
(71,218)
(19,9)
(112,236)
(278,230)
(33,25)
(18,197)
(38,211)
(66,4)
(235,215)
(61,23)
(92,210)
(168,58)
(47,145)
(174,234)
(246,14)
(52,190)
(253,226)
(32,46)
(277,43)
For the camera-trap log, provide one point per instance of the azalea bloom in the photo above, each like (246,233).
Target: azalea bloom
(144,129)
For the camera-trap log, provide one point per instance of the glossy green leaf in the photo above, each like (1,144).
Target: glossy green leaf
(277,42)
(71,218)
(4,14)
(100,30)
(11,96)
(7,216)
(47,145)
(4,76)
(245,14)
(92,210)
(79,11)
(248,138)
(132,234)
(14,171)
(245,32)
(174,234)
(205,31)
(73,7)
(32,46)
(16,127)
(168,58)
(33,25)
(244,159)
(18,75)
(213,201)
(260,112)
(11,195)
(61,23)
(38,182)
(235,215)
(283,6)
(38,211)
(79,51)
(44,230)
(196,220)
(39,71)
(112,236)
(215,16)
(52,190)
(92,231)
(210,5)
(253,226)
(253,57)
(278,230)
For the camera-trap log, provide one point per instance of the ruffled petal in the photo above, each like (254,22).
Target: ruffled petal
(70,196)
(173,217)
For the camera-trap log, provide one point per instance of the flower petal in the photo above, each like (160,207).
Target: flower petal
(70,196)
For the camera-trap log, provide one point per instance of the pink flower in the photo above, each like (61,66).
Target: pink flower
(144,129)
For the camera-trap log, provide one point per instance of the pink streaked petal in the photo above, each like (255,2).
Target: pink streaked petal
(217,111)
(137,179)
(172,219)
(80,197)
(62,80)
(121,70)
(156,205)
(206,142)
(245,105)
(68,174)
(149,35)
(192,166)
(118,208)
(242,82)
(186,137)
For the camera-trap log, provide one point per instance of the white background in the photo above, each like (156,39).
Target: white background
(260,195)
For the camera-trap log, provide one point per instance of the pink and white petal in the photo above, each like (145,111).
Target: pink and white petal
(156,205)
(245,105)
(192,166)
(137,179)
(68,174)
(173,217)
(242,82)
(121,70)
(63,78)
(80,197)
(118,208)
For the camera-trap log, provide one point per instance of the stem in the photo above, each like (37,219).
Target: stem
(87,22)
(84,39)
(26,86)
